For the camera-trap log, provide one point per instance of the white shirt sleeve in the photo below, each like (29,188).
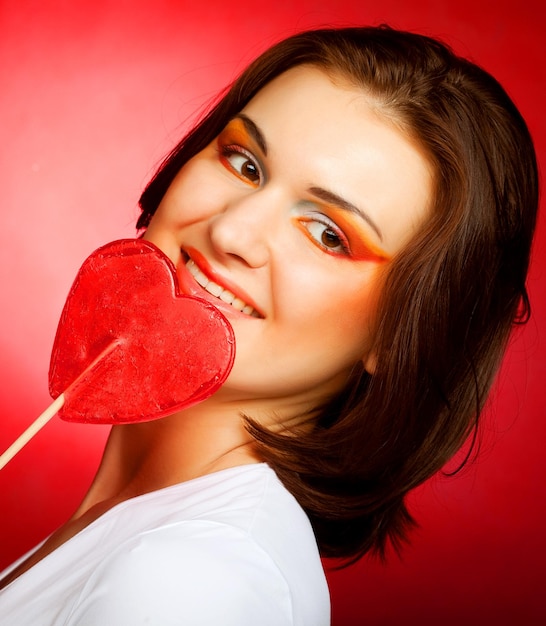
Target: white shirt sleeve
(191,574)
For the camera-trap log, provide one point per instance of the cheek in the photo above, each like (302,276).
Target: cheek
(339,311)
(193,195)
(353,321)
(365,295)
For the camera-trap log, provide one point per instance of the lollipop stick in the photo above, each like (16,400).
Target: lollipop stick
(23,439)
(52,409)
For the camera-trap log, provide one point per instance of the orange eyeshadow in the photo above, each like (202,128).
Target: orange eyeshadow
(235,132)
(359,244)
(361,248)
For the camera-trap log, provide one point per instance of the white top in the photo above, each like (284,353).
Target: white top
(232,548)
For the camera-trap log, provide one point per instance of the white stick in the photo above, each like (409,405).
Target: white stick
(37,425)
(52,409)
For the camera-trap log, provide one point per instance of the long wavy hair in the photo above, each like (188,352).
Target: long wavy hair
(450,297)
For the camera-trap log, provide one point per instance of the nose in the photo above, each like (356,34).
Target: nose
(245,229)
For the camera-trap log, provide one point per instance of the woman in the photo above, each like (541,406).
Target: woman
(360,204)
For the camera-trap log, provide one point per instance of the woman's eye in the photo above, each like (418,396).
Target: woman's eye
(326,235)
(242,164)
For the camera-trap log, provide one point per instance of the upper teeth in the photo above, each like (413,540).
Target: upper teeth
(218,291)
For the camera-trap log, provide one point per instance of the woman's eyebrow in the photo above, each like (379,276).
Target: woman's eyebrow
(333,198)
(253,131)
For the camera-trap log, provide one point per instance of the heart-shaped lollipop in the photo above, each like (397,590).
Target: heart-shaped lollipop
(129,348)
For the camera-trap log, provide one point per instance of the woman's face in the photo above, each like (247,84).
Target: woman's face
(291,214)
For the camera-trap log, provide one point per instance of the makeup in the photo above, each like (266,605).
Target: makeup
(237,145)
(350,230)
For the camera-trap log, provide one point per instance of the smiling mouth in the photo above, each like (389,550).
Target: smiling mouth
(219,292)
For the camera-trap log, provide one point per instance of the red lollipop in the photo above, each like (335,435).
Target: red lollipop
(129,348)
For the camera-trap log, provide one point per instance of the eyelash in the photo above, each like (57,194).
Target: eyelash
(321,219)
(233,149)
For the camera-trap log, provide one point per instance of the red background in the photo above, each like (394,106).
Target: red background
(91,96)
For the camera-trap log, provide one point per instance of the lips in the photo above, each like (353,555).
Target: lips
(217,290)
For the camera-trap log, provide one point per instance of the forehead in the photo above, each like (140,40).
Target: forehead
(325,132)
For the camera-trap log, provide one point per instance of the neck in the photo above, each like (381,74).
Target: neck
(144,457)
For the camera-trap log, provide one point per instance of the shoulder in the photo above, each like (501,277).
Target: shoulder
(195,573)
(237,549)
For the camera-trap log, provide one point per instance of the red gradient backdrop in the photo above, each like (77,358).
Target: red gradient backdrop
(91,96)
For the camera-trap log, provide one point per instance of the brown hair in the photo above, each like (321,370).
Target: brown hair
(450,297)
